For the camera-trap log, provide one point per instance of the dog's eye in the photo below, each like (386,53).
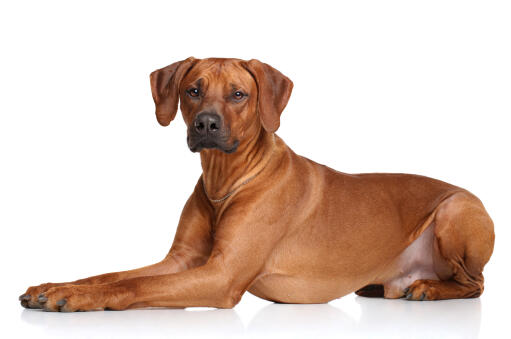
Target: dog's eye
(193,92)
(238,95)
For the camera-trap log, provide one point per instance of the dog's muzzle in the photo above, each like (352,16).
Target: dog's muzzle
(208,131)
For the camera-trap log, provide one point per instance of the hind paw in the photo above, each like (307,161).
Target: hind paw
(421,290)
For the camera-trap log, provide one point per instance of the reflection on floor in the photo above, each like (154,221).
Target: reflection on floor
(376,318)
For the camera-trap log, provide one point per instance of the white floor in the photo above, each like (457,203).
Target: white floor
(349,317)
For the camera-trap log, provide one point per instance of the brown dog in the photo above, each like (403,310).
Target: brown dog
(281,226)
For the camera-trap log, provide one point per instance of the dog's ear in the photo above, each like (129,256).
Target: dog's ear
(274,90)
(165,89)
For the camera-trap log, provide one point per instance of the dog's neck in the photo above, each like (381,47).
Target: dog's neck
(221,172)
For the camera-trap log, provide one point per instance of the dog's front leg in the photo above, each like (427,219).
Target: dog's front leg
(238,257)
(208,285)
(191,248)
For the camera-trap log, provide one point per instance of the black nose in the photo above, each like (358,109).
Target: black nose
(207,123)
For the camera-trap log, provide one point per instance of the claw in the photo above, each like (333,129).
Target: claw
(423,295)
(42,298)
(409,296)
(61,302)
(24,297)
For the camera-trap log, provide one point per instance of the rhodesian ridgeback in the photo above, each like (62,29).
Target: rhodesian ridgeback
(266,220)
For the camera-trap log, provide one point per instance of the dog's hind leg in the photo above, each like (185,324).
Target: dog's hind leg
(462,245)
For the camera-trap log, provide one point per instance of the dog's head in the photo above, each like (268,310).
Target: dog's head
(224,102)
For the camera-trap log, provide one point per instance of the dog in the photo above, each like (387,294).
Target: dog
(266,220)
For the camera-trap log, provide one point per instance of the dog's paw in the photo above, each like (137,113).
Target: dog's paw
(30,299)
(71,298)
(421,290)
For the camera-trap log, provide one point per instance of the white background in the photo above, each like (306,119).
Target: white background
(90,183)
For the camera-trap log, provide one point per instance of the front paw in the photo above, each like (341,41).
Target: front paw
(30,299)
(72,298)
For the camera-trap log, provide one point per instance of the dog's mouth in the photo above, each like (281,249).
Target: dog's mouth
(208,142)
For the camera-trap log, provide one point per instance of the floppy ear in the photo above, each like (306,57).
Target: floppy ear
(165,89)
(274,90)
